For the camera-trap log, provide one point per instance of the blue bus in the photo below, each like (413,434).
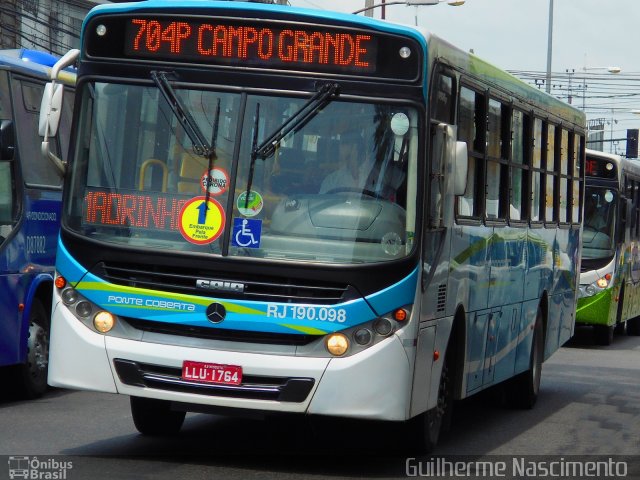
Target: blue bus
(30,200)
(277,209)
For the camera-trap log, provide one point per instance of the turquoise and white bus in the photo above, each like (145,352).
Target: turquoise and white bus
(609,298)
(200,267)
(30,203)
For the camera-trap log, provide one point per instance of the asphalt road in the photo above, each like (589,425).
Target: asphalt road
(589,405)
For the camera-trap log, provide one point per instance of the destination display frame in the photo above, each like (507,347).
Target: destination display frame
(231,42)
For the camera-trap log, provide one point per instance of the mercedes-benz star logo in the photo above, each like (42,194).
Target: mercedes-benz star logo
(216,312)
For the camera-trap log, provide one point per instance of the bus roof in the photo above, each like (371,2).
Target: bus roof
(434,46)
(33,62)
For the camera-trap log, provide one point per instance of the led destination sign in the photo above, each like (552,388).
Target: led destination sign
(600,168)
(232,43)
(145,211)
(250,43)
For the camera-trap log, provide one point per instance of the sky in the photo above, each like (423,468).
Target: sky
(513,35)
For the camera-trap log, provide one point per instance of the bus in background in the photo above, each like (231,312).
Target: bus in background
(609,297)
(221,250)
(30,199)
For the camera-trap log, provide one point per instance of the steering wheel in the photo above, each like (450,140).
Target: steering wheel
(368,193)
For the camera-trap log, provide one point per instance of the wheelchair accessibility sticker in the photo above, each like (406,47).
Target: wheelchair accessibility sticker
(201,222)
(246,233)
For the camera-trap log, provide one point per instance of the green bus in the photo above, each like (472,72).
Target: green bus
(609,297)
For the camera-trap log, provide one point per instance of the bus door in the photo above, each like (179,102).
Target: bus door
(482,334)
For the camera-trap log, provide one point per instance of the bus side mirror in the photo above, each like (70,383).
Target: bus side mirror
(50,109)
(461,168)
(7,140)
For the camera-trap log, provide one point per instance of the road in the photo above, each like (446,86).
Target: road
(589,405)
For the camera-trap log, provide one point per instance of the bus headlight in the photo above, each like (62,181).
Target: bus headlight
(84,310)
(362,336)
(603,282)
(69,296)
(103,321)
(383,326)
(600,284)
(358,338)
(337,344)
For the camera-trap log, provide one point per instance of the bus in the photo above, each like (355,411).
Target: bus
(609,296)
(30,202)
(205,264)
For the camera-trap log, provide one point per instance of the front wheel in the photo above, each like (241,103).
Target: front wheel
(603,334)
(31,376)
(155,417)
(523,389)
(427,427)
(633,326)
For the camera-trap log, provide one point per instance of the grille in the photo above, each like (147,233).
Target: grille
(442,298)
(220,333)
(254,288)
(282,389)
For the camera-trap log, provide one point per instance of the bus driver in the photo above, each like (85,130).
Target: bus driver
(355,169)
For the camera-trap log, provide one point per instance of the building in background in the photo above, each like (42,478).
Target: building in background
(50,25)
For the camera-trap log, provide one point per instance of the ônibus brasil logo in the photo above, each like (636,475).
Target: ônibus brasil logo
(38,469)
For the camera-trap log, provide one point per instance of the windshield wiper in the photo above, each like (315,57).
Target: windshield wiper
(298,120)
(200,144)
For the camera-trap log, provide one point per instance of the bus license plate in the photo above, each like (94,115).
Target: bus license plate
(211,373)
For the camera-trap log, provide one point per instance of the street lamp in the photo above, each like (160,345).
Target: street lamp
(585,69)
(412,3)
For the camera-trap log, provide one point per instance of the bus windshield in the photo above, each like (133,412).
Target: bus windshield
(333,190)
(599,222)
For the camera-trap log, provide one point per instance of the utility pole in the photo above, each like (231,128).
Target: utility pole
(549,46)
(369,5)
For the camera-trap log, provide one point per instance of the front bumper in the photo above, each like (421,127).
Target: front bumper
(372,384)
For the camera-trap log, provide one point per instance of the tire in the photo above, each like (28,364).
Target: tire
(31,376)
(633,326)
(603,334)
(619,326)
(427,427)
(522,390)
(155,417)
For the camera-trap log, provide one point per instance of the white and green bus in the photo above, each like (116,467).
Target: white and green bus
(609,297)
(204,265)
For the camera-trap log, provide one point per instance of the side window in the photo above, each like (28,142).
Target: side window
(443,100)
(578,179)
(494,128)
(471,129)
(550,178)
(536,172)
(64,132)
(519,154)
(564,212)
(27,108)
(6,195)
(7,185)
